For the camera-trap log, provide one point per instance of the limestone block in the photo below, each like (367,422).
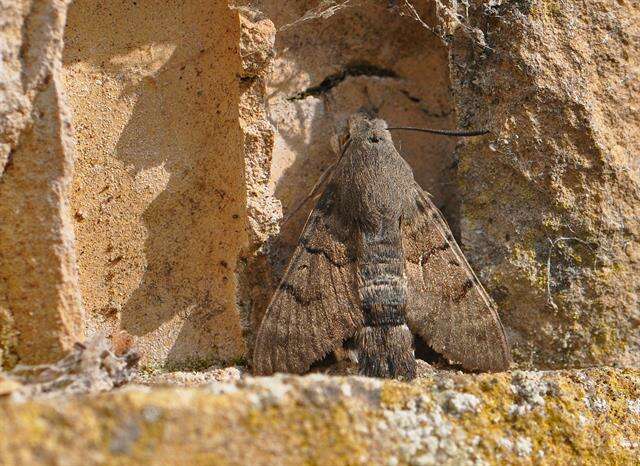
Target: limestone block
(551,200)
(40,306)
(446,418)
(159,195)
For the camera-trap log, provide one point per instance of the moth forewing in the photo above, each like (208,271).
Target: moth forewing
(447,305)
(314,308)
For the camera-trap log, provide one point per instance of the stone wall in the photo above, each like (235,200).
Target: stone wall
(551,201)
(198,126)
(586,417)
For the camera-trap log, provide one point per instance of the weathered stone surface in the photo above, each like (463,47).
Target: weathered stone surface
(191,379)
(551,200)
(92,367)
(159,195)
(257,36)
(40,306)
(560,418)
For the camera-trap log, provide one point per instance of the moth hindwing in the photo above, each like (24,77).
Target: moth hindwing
(375,264)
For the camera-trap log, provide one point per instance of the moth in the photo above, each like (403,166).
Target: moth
(375,265)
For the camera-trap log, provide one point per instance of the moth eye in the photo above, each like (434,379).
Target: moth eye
(374,139)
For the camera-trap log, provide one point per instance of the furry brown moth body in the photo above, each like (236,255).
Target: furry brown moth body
(376,263)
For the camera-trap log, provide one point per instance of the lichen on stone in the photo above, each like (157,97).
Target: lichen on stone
(442,418)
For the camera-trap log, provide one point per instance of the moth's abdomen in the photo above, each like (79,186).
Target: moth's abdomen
(386,351)
(382,283)
(384,344)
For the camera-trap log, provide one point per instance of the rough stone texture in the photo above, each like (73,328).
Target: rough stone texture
(40,306)
(588,417)
(159,194)
(551,200)
(191,379)
(89,368)
(257,37)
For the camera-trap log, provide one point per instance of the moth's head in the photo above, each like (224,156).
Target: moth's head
(367,130)
(362,130)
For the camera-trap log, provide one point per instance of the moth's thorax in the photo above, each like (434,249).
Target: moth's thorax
(375,183)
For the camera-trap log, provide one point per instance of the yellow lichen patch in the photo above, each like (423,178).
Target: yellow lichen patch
(396,394)
(314,436)
(523,257)
(565,427)
(556,418)
(488,423)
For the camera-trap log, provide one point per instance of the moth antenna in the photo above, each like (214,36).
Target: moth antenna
(443,132)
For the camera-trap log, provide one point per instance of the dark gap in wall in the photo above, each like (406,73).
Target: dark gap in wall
(331,81)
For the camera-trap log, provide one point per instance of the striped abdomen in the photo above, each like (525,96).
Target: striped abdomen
(384,344)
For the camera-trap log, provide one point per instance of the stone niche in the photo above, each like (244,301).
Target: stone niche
(163,96)
(362,57)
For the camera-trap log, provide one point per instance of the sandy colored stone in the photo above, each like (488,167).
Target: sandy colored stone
(159,194)
(191,379)
(40,307)
(551,199)
(257,36)
(588,417)
(8,340)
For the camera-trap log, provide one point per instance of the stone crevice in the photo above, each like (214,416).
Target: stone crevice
(351,70)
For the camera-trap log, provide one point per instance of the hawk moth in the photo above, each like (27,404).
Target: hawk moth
(376,263)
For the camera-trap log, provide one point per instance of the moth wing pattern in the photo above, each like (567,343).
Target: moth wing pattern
(315,307)
(446,303)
